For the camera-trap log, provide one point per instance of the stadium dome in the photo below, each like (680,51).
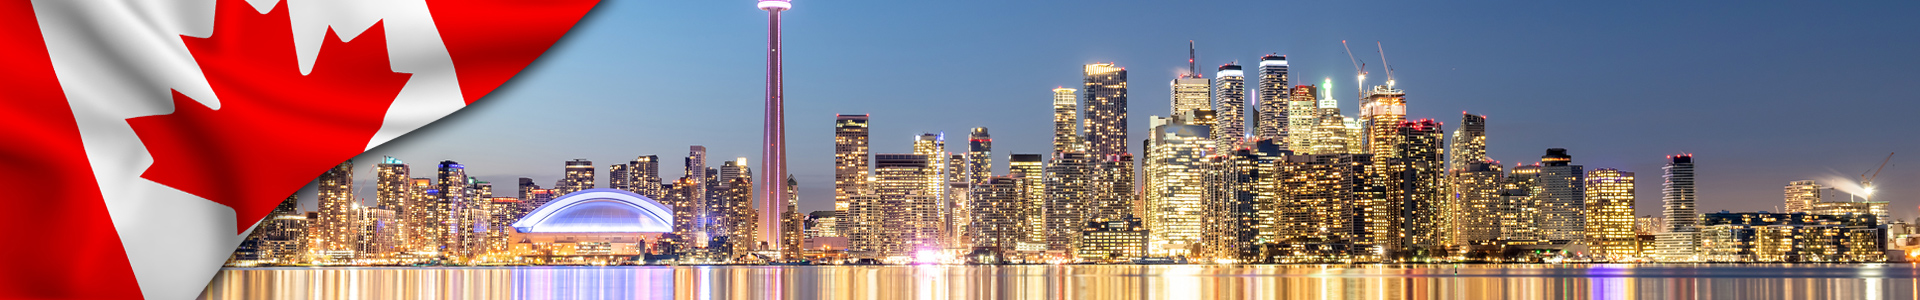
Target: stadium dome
(598,210)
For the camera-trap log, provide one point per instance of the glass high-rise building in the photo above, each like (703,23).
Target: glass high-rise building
(1030,172)
(1175,174)
(579,176)
(1610,215)
(1230,104)
(337,212)
(1380,112)
(1270,106)
(1681,242)
(392,191)
(999,214)
(1302,118)
(1069,188)
(1330,133)
(1476,191)
(1190,92)
(1416,190)
(850,160)
(908,218)
(1469,143)
(1066,115)
(1106,109)
(1562,198)
(1321,204)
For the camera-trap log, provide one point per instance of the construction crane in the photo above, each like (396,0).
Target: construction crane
(1359,85)
(1866,182)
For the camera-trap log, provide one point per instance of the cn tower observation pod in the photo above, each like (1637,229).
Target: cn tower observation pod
(598,211)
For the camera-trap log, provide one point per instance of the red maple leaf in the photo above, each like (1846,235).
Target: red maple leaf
(275,129)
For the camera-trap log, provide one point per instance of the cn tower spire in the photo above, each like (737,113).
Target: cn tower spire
(773,155)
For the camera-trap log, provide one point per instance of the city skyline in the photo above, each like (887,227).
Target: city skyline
(1735,174)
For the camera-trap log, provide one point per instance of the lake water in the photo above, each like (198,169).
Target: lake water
(1796,281)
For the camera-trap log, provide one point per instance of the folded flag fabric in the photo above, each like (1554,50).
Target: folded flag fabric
(143,138)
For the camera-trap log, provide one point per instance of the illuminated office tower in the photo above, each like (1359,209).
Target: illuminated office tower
(849,160)
(375,233)
(1519,209)
(337,209)
(1175,171)
(1230,103)
(1112,241)
(1190,93)
(426,221)
(1802,195)
(1469,142)
(956,204)
(1417,189)
(696,184)
(620,177)
(1028,171)
(862,224)
(1381,111)
(1106,120)
(503,212)
(909,218)
(394,192)
(734,218)
(999,215)
(1877,209)
(1066,115)
(645,171)
(1610,215)
(281,238)
(1320,201)
(979,156)
(527,186)
(685,213)
(579,176)
(1113,185)
(1270,106)
(1330,134)
(1562,198)
(934,148)
(1238,202)
(1302,118)
(1069,189)
(451,183)
(731,169)
(1476,189)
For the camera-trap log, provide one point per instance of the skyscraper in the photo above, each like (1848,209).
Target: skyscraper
(1519,208)
(1610,215)
(451,183)
(696,194)
(1681,242)
(1802,195)
(1469,142)
(1175,170)
(790,233)
(1330,134)
(394,192)
(910,210)
(1028,171)
(1417,189)
(1562,198)
(999,214)
(579,176)
(849,160)
(1302,117)
(1230,104)
(1190,93)
(1069,188)
(1271,108)
(1066,115)
(1106,121)
(1382,110)
(1321,202)
(773,155)
(337,208)
(1475,188)
(979,156)
(645,171)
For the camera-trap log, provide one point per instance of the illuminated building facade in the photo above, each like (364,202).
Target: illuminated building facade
(1029,173)
(1519,209)
(1330,133)
(394,191)
(1610,215)
(1302,118)
(1066,115)
(1190,92)
(910,210)
(579,176)
(1801,195)
(1176,174)
(1270,106)
(337,206)
(1562,198)
(999,214)
(1106,119)
(1320,203)
(696,195)
(1112,241)
(1417,204)
(1069,188)
(1469,144)
(1381,112)
(1681,241)
(1238,201)
(1790,237)
(849,160)
(1878,209)
(1476,191)
(1230,102)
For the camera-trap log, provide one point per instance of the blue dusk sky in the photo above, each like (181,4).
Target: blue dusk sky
(1761,92)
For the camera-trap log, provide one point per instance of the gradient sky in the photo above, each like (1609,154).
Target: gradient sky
(1761,92)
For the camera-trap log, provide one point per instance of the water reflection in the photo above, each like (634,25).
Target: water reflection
(1079,281)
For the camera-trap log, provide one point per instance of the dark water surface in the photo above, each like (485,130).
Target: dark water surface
(1755,281)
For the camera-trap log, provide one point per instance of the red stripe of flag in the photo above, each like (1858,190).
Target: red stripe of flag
(61,243)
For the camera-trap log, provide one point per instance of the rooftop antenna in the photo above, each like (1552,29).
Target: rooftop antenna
(1191,69)
(1359,85)
(1383,62)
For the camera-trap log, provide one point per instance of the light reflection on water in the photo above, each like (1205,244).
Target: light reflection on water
(1804,281)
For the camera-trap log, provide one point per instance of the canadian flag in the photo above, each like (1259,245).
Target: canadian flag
(140,139)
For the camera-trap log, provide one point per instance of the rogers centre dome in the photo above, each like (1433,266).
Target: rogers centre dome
(598,211)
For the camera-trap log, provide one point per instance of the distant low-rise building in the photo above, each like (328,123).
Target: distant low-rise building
(1790,237)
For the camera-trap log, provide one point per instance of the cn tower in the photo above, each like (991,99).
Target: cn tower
(773,157)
